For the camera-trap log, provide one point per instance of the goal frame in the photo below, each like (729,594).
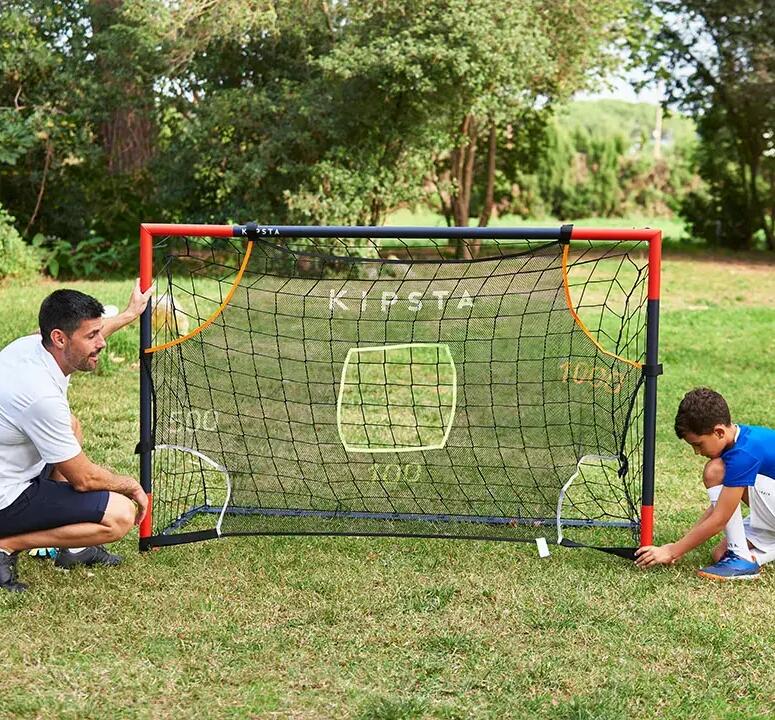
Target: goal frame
(651,368)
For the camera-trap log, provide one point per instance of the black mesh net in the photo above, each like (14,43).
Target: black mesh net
(476,389)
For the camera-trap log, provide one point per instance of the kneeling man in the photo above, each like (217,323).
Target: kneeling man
(51,494)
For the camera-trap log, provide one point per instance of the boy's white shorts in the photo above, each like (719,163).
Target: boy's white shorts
(760,523)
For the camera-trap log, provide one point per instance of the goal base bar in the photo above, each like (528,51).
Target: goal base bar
(628,553)
(169,537)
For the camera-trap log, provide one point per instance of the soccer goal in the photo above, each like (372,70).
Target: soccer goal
(492,383)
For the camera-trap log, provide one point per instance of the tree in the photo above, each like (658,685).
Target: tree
(71,109)
(89,91)
(409,70)
(124,68)
(717,58)
(346,110)
(288,111)
(537,54)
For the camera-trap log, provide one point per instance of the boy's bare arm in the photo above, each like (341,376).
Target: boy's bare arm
(703,517)
(711,523)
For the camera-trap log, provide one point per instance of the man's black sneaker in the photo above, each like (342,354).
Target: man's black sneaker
(95,555)
(8,579)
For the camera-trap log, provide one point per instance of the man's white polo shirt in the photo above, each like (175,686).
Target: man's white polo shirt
(35,420)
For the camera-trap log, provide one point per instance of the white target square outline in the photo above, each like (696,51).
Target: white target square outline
(443,349)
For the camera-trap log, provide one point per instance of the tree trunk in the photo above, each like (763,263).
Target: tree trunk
(376,212)
(463,171)
(127,137)
(758,208)
(769,216)
(463,158)
(42,190)
(445,199)
(127,133)
(489,193)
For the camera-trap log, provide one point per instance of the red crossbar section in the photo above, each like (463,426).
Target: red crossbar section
(647,525)
(655,265)
(582,233)
(652,237)
(192,230)
(146,258)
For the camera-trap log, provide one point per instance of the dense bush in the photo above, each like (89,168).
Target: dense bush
(17,258)
(597,159)
(722,211)
(93,257)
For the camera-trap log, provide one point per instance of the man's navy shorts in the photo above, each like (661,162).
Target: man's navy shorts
(48,504)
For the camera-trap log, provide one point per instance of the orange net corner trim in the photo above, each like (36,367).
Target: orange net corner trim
(579,321)
(218,311)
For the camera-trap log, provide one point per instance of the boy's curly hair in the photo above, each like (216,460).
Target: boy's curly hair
(700,411)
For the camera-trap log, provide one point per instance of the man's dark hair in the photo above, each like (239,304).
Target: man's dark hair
(700,411)
(65,310)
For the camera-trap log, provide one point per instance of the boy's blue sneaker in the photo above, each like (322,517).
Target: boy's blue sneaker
(731,567)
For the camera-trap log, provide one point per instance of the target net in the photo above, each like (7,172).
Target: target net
(323,381)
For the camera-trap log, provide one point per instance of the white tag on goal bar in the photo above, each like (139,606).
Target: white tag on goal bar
(543,548)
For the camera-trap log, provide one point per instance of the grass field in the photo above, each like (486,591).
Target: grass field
(673,230)
(398,629)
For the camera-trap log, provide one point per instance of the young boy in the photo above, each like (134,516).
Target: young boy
(741,466)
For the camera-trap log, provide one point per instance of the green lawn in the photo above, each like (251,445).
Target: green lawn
(672,228)
(394,629)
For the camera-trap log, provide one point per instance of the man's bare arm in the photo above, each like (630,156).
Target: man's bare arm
(137,302)
(84,476)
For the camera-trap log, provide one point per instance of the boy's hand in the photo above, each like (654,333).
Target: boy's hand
(651,555)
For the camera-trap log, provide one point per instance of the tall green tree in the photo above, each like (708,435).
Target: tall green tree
(536,55)
(315,111)
(345,110)
(44,134)
(87,90)
(717,59)
(80,80)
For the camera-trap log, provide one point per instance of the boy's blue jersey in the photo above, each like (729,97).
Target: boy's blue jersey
(752,454)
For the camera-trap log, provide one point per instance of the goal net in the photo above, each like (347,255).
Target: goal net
(452,382)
